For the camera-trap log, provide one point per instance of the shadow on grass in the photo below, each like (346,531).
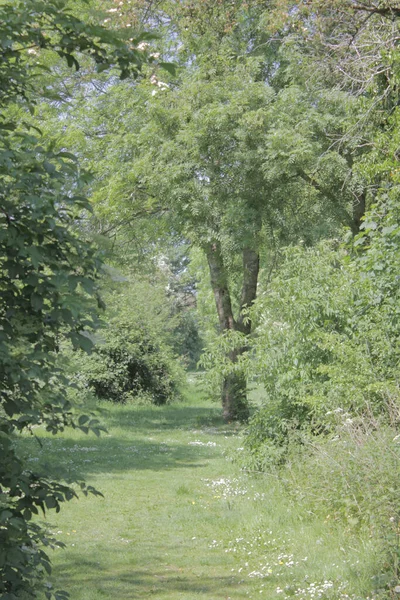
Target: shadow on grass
(142,583)
(76,459)
(164,418)
(73,457)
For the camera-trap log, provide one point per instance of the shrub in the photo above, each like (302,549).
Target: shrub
(126,365)
(133,356)
(327,334)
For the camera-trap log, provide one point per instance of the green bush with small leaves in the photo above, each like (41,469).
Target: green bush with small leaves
(128,364)
(133,358)
(327,333)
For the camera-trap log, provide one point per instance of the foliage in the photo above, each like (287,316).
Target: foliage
(327,333)
(216,362)
(266,140)
(182,154)
(352,478)
(220,154)
(129,367)
(327,355)
(133,359)
(34,25)
(47,280)
(188,341)
(47,276)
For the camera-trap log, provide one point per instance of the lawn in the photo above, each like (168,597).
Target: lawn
(179,520)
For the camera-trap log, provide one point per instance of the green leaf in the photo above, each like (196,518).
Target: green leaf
(36,256)
(169,67)
(51,502)
(84,342)
(49,167)
(83,419)
(36,302)
(5,515)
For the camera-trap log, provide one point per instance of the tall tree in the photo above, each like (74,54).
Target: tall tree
(47,273)
(236,153)
(223,159)
(196,151)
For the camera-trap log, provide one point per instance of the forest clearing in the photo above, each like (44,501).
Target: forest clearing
(180,520)
(199,299)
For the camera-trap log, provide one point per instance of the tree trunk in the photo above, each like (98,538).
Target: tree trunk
(219,284)
(251,267)
(234,386)
(234,394)
(359,207)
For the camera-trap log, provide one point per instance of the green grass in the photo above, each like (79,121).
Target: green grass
(180,521)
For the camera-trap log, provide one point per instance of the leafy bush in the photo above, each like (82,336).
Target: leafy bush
(327,334)
(133,356)
(127,364)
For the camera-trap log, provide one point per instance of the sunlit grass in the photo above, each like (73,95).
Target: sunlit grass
(178,520)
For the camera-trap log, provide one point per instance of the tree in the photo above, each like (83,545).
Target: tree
(223,154)
(306,372)
(195,153)
(47,273)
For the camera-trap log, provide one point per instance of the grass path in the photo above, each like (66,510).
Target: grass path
(180,521)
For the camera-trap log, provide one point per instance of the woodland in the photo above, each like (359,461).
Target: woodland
(201,198)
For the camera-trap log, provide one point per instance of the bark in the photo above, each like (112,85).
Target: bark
(234,386)
(251,267)
(219,284)
(359,210)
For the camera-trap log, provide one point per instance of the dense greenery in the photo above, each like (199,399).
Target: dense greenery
(246,200)
(48,275)
(133,357)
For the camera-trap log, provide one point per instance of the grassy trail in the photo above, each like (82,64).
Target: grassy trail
(180,521)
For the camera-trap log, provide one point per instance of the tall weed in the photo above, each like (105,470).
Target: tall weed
(353,478)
